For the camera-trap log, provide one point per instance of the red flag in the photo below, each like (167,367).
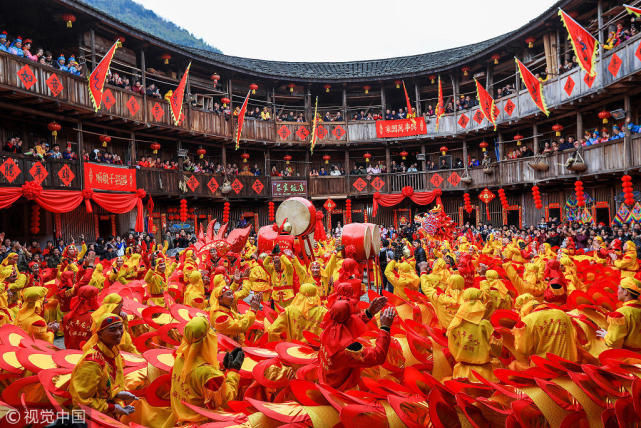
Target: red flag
(409,104)
(533,85)
(633,10)
(584,45)
(176,99)
(487,103)
(98,76)
(241,119)
(439,105)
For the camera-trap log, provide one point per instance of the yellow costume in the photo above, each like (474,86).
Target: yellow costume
(404,277)
(283,281)
(28,318)
(628,265)
(529,283)
(97,278)
(624,325)
(447,303)
(305,313)
(112,304)
(227,320)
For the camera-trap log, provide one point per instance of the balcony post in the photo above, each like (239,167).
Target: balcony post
(345,107)
(627,146)
(93,48)
(424,166)
(465,162)
(383,101)
(133,148)
(599,14)
(500,147)
(347,171)
(223,155)
(417,93)
(81,147)
(579,125)
(388,166)
(268,166)
(143,67)
(535,138)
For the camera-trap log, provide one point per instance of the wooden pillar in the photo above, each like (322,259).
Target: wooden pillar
(535,139)
(345,107)
(627,146)
(223,155)
(388,161)
(347,168)
(417,94)
(93,48)
(579,125)
(465,162)
(501,149)
(308,106)
(180,158)
(268,161)
(133,148)
(383,101)
(81,147)
(143,67)
(306,168)
(489,79)
(599,14)
(424,166)
(231,98)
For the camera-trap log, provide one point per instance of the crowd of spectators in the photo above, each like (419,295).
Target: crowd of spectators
(102,156)
(23,48)
(292,117)
(42,150)
(333,171)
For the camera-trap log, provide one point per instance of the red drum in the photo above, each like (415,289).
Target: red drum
(360,236)
(268,237)
(375,238)
(300,213)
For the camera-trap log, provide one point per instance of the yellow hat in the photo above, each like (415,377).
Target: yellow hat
(631,284)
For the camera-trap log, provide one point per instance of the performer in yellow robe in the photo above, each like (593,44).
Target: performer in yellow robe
(402,276)
(195,289)
(628,265)
(624,325)
(494,294)
(439,268)
(98,381)
(281,272)
(447,304)
(118,271)
(156,280)
(97,277)
(305,313)
(29,318)
(196,377)
(469,336)
(112,304)
(226,319)
(259,280)
(530,282)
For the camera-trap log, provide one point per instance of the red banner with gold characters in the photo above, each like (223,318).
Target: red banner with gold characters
(400,128)
(533,85)
(176,99)
(106,177)
(583,43)
(98,76)
(487,103)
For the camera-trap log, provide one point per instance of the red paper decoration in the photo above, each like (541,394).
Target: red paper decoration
(348,211)
(327,88)
(530,42)
(496,58)
(270,208)
(518,138)
(503,199)
(35,219)
(628,195)
(183,210)
(536,194)
(165,58)
(54,127)
(69,19)
(483,145)
(465,70)
(215,78)
(226,212)
(579,193)
(366,88)
(467,204)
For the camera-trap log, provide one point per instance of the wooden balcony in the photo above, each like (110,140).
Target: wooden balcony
(16,169)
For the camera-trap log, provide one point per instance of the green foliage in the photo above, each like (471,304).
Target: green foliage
(146,20)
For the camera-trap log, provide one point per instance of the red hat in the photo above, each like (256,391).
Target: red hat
(270,374)
(157,393)
(295,354)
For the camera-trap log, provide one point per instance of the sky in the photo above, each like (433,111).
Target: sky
(344,30)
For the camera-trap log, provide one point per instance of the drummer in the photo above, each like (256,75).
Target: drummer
(281,273)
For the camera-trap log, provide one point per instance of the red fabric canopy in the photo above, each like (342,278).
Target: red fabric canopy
(64,201)
(421,198)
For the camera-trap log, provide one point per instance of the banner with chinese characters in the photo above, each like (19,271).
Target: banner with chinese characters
(400,128)
(106,177)
(285,189)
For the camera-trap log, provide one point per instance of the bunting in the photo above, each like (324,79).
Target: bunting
(633,10)
(241,119)
(440,110)
(533,85)
(583,43)
(314,136)
(487,103)
(98,76)
(176,99)
(409,104)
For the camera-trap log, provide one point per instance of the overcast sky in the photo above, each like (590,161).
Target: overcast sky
(344,30)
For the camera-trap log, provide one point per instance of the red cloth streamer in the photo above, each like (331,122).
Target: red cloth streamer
(420,198)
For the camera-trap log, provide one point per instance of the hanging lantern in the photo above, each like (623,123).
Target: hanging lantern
(367,156)
(348,211)
(155,146)
(503,199)
(579,193)
(226,212)
(244,157)
(444,150)
(367,88)
(121,40)
(432,78)
(518,138)
(287,158)
(465,70)
(35,219)
(291,87)
(69,19)
(326,158)
(536,195)
(557,128)
(270,212)
(225,101)
(105,139)
(483,145)
(201,152)
(253,87)
(327,88)
(628,192)
(398,84)
(530,42)
(604,115)
(467,203)
(215,78)
(165,58)
(183,211)
(54,127)
(486,196)
(496,58)
(403,155)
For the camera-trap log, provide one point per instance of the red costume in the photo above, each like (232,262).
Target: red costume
(76,324)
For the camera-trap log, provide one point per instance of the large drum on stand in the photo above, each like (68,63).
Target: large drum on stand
(375,234)
(360,236)
(300,213)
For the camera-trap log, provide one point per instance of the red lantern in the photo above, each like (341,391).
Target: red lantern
(465,70)
(35,219)
(215,78)
(483,145)
(486,196)
(327,88)
(503,199)
(367,156)
(253,87)
(155,147)
(579,193)
(270,213)
(165,58)
(348,211)
(291,87)
(226,212)
(398,84)
(557,128)
(326,158)
(201,152)
(518,138)
(105,139)
(244,157)
(432,78)
(403,154)
(183,210)
(69,19)
(530,42)
(604,115)
(54,127)
(496,58)
(444,150)
(287,159)
(467,204)
(225,101)
(366,88)
(536,195)
(628,192)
